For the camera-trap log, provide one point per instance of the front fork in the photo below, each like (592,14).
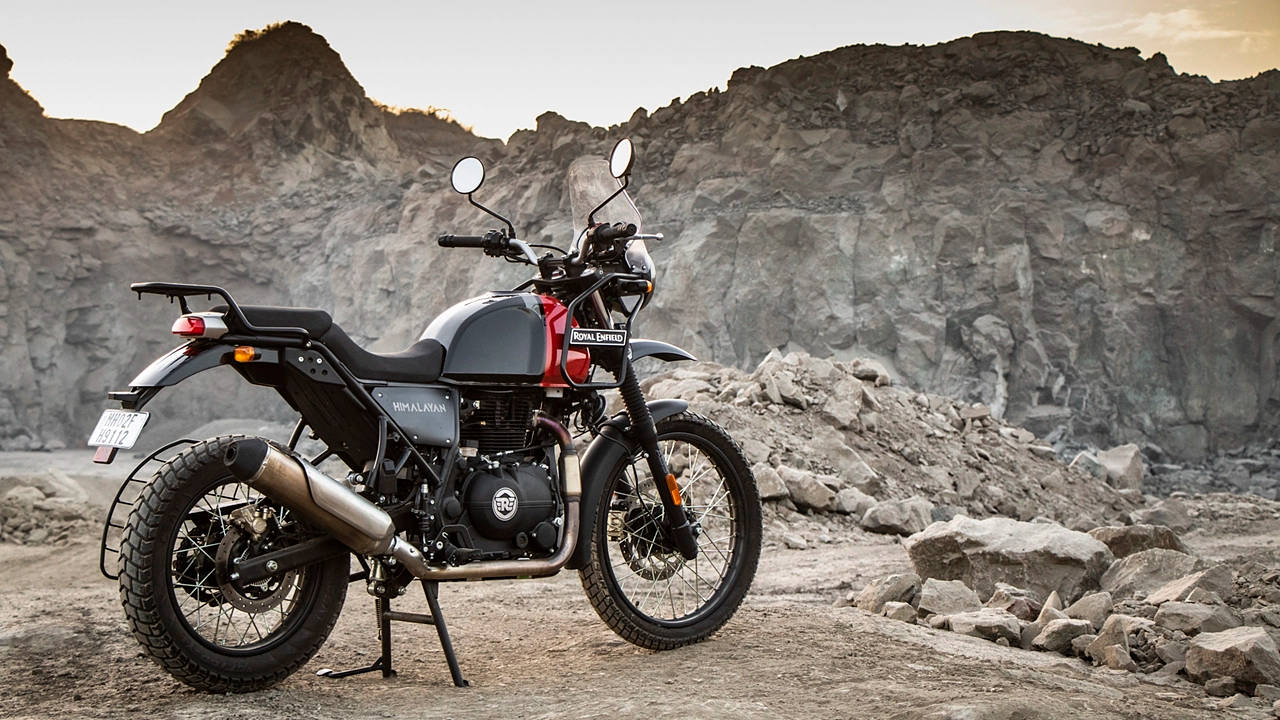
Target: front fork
(675,519)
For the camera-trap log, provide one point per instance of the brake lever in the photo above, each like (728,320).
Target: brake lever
(654,236)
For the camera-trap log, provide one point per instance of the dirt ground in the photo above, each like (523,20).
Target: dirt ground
(535,649)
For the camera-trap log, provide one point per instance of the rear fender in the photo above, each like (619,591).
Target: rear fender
(614,443)
(177,365)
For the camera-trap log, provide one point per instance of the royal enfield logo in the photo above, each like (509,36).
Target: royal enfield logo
(418,407)
(589,336)
(504,504)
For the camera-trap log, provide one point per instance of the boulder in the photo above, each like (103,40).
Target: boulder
(1145,571)
(1115,632)
(890,588)
(1058,634)
(1193,618)
(1040,557)
(769,482)
(1094,607)
(806,490)
(1170,512)
(899,611)
(1247,654)
(1080,645)
(1116,658)
(947,597)
(987,623)
(1125,540)
(852,501)
(1018,602)
(1219,580)
(1123,466)
(898,517)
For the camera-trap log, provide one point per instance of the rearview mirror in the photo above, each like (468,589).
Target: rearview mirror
(468,175)
(621,158)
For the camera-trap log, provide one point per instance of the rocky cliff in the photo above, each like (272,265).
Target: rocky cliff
(1082,239)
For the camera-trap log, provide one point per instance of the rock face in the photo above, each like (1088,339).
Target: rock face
(996,218)
(1040,557)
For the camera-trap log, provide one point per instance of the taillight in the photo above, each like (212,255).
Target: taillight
(188,326)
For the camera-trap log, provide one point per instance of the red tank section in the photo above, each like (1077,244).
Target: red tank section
(554,314)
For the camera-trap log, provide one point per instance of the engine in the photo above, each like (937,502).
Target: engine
(504,500)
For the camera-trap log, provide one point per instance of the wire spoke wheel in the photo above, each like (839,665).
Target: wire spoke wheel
(223,612)
(637,580)
(186,606)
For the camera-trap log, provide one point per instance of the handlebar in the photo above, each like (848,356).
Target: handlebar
(453,241)
(616,231)
(494,243)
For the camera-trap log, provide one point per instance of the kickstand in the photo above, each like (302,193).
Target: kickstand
(384,613)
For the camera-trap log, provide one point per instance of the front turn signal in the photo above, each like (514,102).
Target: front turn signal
(245,353)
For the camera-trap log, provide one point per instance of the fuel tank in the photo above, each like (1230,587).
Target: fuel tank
(505,338)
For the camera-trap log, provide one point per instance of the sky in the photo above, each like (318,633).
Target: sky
(497,65)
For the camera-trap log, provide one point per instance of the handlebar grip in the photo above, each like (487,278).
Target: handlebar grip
(615,231)
(453,241)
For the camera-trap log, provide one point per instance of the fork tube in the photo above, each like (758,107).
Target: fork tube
(642,424)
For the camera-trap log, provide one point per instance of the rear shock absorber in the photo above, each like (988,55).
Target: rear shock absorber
(678,527)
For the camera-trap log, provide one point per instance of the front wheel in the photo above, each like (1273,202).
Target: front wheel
(181,596)
(636,580)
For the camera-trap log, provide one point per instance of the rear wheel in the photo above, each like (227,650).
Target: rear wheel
(191,615)
(637,581)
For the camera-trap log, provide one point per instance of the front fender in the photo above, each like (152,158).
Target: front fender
(614,444)
(641,347)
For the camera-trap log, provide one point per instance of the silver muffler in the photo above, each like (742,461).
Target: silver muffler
(367,529)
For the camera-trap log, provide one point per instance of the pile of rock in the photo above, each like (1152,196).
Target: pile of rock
(1125,597)
(1253,469)
(48,508)
(828,436)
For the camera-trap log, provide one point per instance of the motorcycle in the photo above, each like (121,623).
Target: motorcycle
(458,462)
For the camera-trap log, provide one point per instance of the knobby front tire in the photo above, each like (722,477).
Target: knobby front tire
(640,585)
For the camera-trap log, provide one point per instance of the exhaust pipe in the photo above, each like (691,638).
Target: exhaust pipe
(367,529)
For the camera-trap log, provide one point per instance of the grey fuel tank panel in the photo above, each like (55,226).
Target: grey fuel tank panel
(498,337)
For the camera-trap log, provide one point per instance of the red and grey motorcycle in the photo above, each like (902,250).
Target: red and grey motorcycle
(455,462)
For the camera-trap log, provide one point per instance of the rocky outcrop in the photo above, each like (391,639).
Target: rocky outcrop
(1077,238)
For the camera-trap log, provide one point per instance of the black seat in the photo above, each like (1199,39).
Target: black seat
(421,362)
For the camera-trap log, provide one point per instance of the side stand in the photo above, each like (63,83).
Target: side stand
(384,613)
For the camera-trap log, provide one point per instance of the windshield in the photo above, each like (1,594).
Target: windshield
(589,184)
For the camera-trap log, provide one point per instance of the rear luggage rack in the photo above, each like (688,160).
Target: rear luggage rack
(182,291)
(126,496)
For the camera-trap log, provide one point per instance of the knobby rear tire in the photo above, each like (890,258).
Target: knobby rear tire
(148,594)
(604,590)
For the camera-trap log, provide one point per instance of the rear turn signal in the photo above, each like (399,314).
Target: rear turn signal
(245,353)
(188,326)
(674,487)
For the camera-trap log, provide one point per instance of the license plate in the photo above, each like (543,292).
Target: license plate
(118,428)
